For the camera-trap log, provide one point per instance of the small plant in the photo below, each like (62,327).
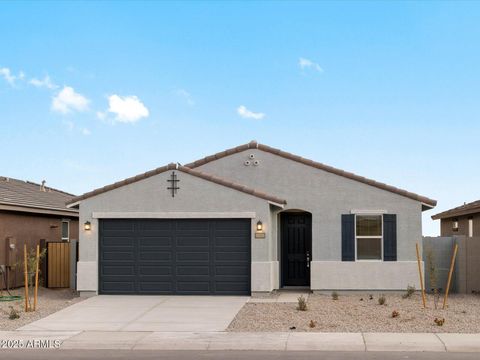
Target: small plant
(382,300)
(370,297)
(439,321)
(361,299)
(13,315)
(312,324)
(410,292)
(334,295)
(302,303)
(395,314)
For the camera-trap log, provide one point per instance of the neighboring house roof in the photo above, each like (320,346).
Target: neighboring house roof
(254,145)
(465,209)
(172,166)
(19,195)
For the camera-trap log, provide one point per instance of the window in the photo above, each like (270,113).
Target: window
(455,225)
(369,237)
(65,230)
(470,226)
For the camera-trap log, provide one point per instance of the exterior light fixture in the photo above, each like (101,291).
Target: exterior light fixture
(259,226)
(259,234)
(87,226)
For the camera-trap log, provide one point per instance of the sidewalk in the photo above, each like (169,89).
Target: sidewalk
(282,341)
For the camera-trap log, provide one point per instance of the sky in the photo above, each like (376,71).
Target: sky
(94,92)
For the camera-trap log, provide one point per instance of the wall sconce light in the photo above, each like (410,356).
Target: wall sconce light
(259,226)
(259,234)
(87,226)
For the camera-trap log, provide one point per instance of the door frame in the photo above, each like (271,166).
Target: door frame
(282,227)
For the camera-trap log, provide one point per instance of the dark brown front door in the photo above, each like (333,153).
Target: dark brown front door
(296,237)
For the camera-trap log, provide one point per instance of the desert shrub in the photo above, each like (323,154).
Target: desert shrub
(410,292)
(13,313)
(302,303)
(439,321)
(382,300)
(395,314)
(334,295)
(312,324)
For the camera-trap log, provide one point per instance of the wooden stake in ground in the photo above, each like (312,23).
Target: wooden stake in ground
(452,264)
(36,279)
(421,276)
(26,276)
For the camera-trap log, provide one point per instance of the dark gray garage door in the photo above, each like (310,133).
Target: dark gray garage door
(182,256)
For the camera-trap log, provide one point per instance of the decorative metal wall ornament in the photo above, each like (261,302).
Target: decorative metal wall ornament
(173,183)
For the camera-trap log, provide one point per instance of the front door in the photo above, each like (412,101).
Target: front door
(296,238)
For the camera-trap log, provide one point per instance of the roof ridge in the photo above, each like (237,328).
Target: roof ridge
(464,209)
(8,179)
(253,144)
(185,169)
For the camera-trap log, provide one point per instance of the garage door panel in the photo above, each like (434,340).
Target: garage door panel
(193,270)
(154,256)
(228,241)
(118,286)
(196,241)
(154,270)
(155,287)
(232,270)
(183,256)
(117,256)
(155,241)
(118,270)
(176,256)
(237,256)
(117,241)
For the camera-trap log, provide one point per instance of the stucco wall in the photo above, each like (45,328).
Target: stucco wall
(327,196)
(151,196)
(28,228)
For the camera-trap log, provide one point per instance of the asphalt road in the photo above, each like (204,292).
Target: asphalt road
(226,355)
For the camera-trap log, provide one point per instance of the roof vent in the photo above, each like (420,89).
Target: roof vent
(42,187)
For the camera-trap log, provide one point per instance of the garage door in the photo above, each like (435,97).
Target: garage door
(181,256)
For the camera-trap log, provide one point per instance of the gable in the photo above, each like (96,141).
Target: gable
(253,145)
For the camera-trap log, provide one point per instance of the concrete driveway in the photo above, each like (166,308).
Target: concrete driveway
(144,313)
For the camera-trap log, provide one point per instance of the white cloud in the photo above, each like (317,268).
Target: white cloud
(8,76)
(247,114)
(309,64)
(127,109)
(86,132)
(186,95)
(101,115)
(45,82)
(67,100)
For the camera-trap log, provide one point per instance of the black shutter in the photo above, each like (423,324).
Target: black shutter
(348,237)
(390,237)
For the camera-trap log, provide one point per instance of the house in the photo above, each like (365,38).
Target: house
(461,220)
(29,213)
(246,220)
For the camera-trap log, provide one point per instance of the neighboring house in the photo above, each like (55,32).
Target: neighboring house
(462,220)
(29,213)
(248,219)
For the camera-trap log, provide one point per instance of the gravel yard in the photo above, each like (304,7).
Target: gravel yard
(49,301)
(350,314)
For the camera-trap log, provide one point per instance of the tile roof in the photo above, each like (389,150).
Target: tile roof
(465,209)
(317,165)
(28,194)
(172,166)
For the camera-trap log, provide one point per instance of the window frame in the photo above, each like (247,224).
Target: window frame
(368,237)
(68,230)
(455,224)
